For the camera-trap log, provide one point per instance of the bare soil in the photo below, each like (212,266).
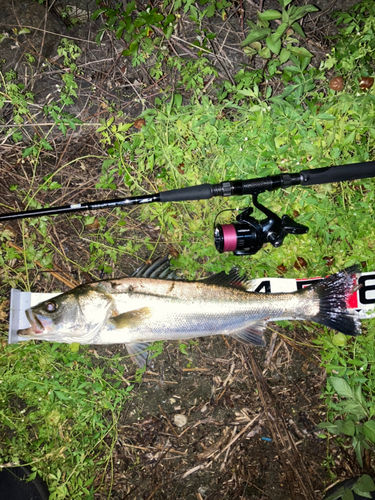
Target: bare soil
(223,421)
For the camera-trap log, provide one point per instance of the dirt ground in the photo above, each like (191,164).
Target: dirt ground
(223,421)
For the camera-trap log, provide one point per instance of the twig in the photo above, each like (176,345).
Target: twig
(159,448)
(195,370)
(51,33)
(253,4)
(270,352)
(237,436)
(194,469)
(170,425)
(153,493)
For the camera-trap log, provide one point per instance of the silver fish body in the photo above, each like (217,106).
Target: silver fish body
(139,311)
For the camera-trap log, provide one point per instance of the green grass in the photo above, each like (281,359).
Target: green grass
(59,412)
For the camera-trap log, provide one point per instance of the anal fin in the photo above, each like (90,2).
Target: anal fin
(252,333)
(139,353)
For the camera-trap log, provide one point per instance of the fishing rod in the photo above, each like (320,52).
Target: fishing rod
(247,235)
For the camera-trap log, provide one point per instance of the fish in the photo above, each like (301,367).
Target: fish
(138,311)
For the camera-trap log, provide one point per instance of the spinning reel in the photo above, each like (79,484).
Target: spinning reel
(247,235)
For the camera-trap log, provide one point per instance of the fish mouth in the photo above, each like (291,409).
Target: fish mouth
(38,324)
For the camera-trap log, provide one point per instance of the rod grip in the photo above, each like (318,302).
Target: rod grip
(202,192)
(341,173)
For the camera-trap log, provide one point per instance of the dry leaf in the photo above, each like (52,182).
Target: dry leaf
(3,314)
(337,83)
(139,123)
(94,225)
(366,82)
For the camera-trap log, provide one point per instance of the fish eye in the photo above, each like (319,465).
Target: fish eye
(51,306)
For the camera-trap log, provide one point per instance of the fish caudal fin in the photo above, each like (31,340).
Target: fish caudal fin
(333,293)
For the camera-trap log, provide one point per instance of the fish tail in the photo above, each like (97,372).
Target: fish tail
(333,293)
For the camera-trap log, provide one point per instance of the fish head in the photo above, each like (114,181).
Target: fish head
(74,316)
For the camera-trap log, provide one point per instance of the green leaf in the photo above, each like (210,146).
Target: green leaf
(354,408)
(169,32)
(284,55)
(332,428)
(177,100)
(300,12)
(255,36)
(346,427)
(285,17)
(169,19)
(347,495)
(298,29)
(89,220)
(210,11)
(349,138)
(98,12)
(342,387)
(99,36)
(279,32)
(183,349)
(17,136)
(62,396)
(265,53)
(357,445)
(269,15)
(365,483)
(362,494)
(299,51)
(132,50)
(358,395)
(130,7)
(119,32)
(273,46)
(369,430)
(337,494)
(74,347)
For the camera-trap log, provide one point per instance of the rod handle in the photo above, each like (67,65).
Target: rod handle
(201,192)
(326,175)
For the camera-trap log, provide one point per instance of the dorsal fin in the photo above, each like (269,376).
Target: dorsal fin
(231,280)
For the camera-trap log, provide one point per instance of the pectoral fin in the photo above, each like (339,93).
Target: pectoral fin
(252,334)
(139,353)
(131,319)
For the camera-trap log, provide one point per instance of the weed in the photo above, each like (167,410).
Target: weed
(61,414)
(278,41)
(361,487)
(352,54)
(135,27)
(352,378)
